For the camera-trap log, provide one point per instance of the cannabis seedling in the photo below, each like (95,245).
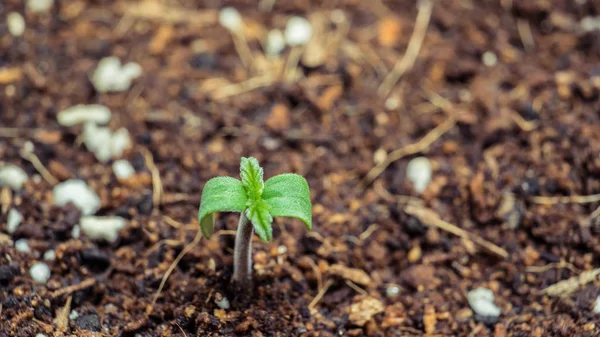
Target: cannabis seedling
(285,195)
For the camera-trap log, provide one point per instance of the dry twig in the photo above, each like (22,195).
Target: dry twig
(412,51)
(571,199)
(525,34)
(566,287)
(430,218)
(157,187)
(73,288)
(356,288)
(588,221)
(28,155)
(410,149)
(242,87)
(155,10)
(187,248)
(320,294)
(557,265)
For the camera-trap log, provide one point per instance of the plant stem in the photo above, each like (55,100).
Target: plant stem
(242,255)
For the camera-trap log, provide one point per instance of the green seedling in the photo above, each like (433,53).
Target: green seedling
(258,201)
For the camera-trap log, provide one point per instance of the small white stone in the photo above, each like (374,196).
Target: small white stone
(119,142)
(39,6)
(40,335)
(13,177)
(102,228)
(16,23)
(123,169)
(110,76)
(223,303)
(13,221)
(98,140)
(392,103)
(75,232)
(596,308)
(73,315)
(50,255)
(298,31)
(419,172)
(81,113)
(590,23)
(489,59)
(22,245)
(79,193)
(392,291)
(230,18)
(36,178)
(282,250)
(275,43)
(481,301)
(104,143)
(40,272)
(28,147)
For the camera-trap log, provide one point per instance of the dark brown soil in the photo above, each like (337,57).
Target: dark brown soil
(527,126)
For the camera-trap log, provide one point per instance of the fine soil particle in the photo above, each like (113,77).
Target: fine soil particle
(513,85)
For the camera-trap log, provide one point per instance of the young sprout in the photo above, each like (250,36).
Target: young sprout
(258,201)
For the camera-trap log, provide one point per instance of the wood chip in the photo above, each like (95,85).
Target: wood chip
(10,75)
(429,319)
(62,316)
(363,311)
(355,275)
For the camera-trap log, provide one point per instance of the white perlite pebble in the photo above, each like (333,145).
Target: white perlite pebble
(104,143)
(392,291)
(596,308)
(102,228)
(122,169)
(119,142)
(81,113)
(481,301)
(489,59)
(590,23)
(75,232)
(39,6)
(419,172)
(230,18)
(22,245)
(40,335)
(50,255)
(13,221)
(298,31)
(73,315)
(76,192)
(16,24)
(97,139)
(40,272)
(223,303)
(275,43)
(13,177)
(111,76)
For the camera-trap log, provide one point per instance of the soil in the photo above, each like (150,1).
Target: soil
(526,125)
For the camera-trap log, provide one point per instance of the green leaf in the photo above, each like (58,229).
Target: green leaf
(288,195)
(252,178)
(261,219)
(220,194)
